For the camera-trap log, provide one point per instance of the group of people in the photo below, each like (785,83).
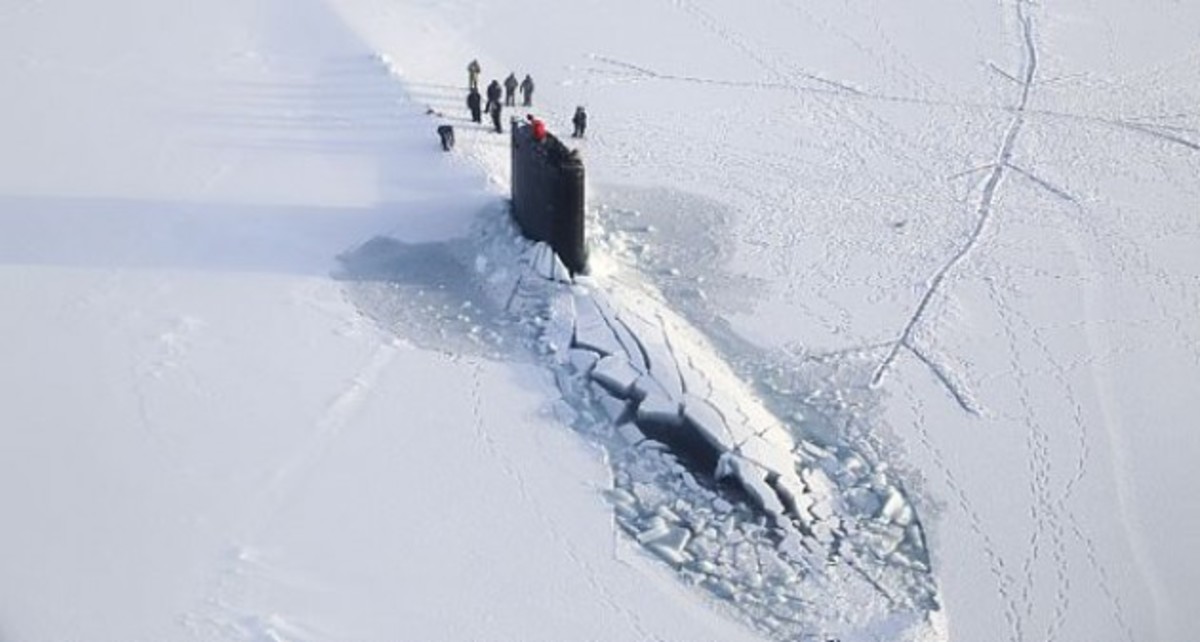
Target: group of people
(494,92)
(508,91)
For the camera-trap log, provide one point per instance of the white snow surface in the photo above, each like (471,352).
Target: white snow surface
(952,249)
(203,438)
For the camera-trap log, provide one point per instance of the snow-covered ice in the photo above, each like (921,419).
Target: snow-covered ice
(892,333)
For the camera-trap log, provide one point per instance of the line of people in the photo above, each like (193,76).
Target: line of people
(509,91)
(510,85)
(494,92)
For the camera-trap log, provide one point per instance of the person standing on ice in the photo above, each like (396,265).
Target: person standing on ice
(473,70)
(580,122)
(493,95)
(510,90)
(527,91)
(473,104)
(494,111)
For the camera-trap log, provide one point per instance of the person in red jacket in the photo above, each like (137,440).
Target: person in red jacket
(539,128)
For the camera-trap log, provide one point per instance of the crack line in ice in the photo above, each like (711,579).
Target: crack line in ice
(1005,74)
(986,202)
(726,34)
(662,327)
(1043,183)
(943,377)
(834,355)
(1158,132)
(973,170)
(1127,124)
(641,348)
(513,294)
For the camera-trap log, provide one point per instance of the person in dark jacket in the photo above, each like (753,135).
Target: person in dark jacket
(446,134)
(580,122)
(494,112)
(493,95)
(527,91)
(473,104)
(510,90)
(473,70)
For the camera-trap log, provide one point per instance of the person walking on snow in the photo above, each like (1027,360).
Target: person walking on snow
(494,112)
(493,95)
(510,90)
(473,104)
(580,122)
(527,90)
(473,70)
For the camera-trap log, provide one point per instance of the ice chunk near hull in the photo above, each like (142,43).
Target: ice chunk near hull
(592,331)
(707,423)
(548,265)
(616,375)
(654,346)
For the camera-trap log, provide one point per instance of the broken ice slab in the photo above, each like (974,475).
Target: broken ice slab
(813,450)
(659,409)
(671,545)
(630,433)
(624,503)
(853,469)
(676,538)
(824,531)
(822,508)
(736,419)
(547,264)
(694,380)
(592,330)
(559,330)
(883,544)
(657,351)
(655,528)
(666,539)
(625,338)
(705,420)
(620,496)
(670,555)
(896,510)
(769,456)
(706,567)
(863,501)
(582,360)
(817,482)
(616,375)
(616,409)
(753,478)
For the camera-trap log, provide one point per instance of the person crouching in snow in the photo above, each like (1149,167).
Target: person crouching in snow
(539,128)
(446,134)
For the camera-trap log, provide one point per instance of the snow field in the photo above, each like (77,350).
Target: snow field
(949,249)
